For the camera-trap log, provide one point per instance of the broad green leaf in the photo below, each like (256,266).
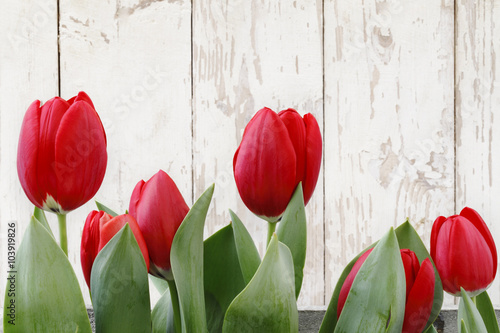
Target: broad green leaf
(267,304)
(119,286)
(186,259)
(222,275)
(377,298)
(40,216)
(292,232)
(485,308)
(409,239)
(160,284)
(162,316)
(468,316)
(247,252)
(42,292)
(431,329)
(105,209)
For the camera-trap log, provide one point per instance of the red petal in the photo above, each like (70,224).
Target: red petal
(411,266)
(27,153)
(264,167)
(420,299)
(434,235)
(90,243)
(81,157)
(297,132)
(314,151)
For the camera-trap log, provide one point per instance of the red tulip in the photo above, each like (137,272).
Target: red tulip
(99,228)
(159,208)
(419,290)
(464,252)
(61,157)
(277,152)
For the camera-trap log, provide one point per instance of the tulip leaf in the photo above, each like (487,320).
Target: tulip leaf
(468,316)
(162,316)
(292,232)
(376,301)
(248,255)
(267,304)
(222,276)
(160,284)
(485,308)
(186,259)
(409,239)
(119,286)
(40,216)
(42,293)
(106,209)
(431,329)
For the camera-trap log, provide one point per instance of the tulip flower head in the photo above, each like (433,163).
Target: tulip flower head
(277,152)
(61,158)
(420,283)
(464,252)
(98,230)
(159,208)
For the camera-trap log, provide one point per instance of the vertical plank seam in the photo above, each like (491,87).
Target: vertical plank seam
(324,146)
(455,23)
(192,102)
(58,14)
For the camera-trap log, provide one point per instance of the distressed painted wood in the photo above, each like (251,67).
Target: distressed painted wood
(388,122)
(133,58)
(28,71)
(477,108)
(240,66)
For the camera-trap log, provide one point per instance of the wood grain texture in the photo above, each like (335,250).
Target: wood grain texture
(477,109)
(389,122)
(247,55)
(133,58)
(28,71)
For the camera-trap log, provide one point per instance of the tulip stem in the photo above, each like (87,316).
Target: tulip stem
(271,227)
(175,305)
(474,300)
(63,238)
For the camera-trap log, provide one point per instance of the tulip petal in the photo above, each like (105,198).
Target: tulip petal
(90,243)
(27,154)
(434,234)
(471,215)
(80,155)
(314,151)
(419,300)
(297,132)
(264,166)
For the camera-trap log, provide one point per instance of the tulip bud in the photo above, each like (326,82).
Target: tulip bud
(159,208)
(277,152)
(61,158)
(99,228)
(464,252)
(419,290)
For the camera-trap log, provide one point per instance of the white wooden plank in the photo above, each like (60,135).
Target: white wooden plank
(248,55)
(389,125)
(28,71)
(477,124)
(133,58)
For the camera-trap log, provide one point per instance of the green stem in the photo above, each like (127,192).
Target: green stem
(63,238)
(271,227)
(175,305)
(474,300)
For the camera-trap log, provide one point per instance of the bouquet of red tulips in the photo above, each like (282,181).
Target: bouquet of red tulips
(221,284)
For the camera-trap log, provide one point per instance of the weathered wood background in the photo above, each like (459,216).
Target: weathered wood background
(406,94)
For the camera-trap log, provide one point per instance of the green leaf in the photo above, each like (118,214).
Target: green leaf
(222,276)
(485,308)
(186,259)
(119,286)
(431,329)
(409,239)
(247,252)
(42,292)
(105,209)
(160,284)
(292,232)
(40,216)
(376,301)
(267,304)
(468,316)
(162,315)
